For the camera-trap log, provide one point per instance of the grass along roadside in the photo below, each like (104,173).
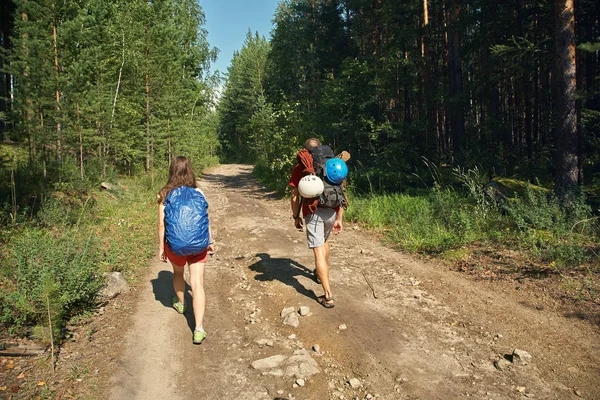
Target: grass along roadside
(128,227)
(527,236)
(59,256)
(53,264)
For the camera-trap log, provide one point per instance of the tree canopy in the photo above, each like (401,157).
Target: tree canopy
(463,83)
(114,83)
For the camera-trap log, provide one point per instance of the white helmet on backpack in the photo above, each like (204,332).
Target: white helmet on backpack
(310,186)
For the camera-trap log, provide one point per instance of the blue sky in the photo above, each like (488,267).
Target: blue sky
(228,21)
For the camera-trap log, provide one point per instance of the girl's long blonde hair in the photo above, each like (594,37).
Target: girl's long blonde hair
(180,174)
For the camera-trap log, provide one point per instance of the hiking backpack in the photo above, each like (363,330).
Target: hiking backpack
(186,221)
(333,195)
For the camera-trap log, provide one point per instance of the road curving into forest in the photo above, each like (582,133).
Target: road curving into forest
(402,327)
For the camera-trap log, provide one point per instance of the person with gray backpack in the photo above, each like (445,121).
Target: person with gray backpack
(318,181)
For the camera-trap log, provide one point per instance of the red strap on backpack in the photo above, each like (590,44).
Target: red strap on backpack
(305,159)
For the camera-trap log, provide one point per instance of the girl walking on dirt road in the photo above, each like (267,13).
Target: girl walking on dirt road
(185,237)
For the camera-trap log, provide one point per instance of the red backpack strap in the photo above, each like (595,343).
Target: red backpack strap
(305,159)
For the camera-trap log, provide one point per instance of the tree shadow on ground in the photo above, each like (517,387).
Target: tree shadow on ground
(591,316)
(243,180)
(284,270)
(162,287)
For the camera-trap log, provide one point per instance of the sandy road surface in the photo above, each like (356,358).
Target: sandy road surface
(414,329)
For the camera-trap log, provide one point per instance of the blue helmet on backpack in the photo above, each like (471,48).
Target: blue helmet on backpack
(336,170)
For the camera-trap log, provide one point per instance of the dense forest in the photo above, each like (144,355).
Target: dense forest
(106,84)
(510,87)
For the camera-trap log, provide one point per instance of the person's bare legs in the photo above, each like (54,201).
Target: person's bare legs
(178,281)
(198,295)
(321,258)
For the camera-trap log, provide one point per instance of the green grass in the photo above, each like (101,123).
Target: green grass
(443,221)
(417,223)
(127,226)
(54,261)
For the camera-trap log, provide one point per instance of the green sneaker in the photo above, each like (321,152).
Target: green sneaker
(199,337)
(180,308)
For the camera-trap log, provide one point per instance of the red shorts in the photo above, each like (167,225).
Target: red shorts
(181,260)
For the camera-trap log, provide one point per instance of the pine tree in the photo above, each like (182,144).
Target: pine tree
(110,83)
(240,99)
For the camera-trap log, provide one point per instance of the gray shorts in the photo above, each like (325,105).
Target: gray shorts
(318,226)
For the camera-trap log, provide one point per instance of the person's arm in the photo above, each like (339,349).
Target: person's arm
(211,240)
(337,225)
(211,245)
(296,207)
(161,233)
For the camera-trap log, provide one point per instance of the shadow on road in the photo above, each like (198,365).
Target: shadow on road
(162,287)
(591,315)
(284,270)
(243,180)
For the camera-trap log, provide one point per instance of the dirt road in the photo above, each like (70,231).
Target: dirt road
(413,329)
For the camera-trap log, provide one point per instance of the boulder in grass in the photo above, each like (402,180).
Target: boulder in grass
(503,189)
(109,186)
(115,285)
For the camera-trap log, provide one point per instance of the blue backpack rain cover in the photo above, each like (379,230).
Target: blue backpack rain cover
(186,221)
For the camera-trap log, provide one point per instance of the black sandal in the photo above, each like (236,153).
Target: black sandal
(326,302)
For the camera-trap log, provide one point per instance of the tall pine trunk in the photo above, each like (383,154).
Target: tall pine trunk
(6,31)
(148,140)
(147,96)
(169,148)
(57,88)
(28,101)
(427,83)
(565,86)
(80,132)
(114,107)
(457,118)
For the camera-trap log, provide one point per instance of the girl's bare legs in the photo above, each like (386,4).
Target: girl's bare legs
(178,281)
(198,295)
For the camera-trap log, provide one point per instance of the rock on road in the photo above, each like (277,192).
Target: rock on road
(402,328)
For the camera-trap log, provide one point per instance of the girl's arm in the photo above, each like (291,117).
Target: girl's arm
(211,246)
(161,233)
